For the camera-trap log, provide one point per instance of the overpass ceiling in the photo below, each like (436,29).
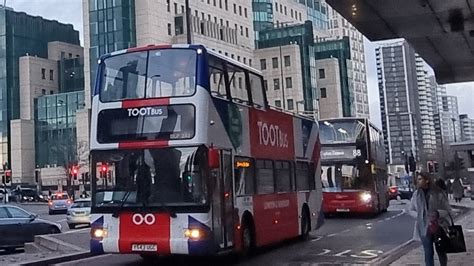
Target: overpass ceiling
(426,25)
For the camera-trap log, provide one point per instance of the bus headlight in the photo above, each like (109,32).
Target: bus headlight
(193,233)
(98,233)
(366,197)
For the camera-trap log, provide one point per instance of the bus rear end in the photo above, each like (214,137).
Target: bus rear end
(348,201)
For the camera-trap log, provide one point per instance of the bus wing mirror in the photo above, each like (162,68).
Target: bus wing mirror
(213,158)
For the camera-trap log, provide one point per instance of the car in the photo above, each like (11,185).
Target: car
(393,192)
(59,202)
(17,226)
(27,194)
(405,192)
(79,213)
(467,190)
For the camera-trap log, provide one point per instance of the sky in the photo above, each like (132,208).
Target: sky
(70,11)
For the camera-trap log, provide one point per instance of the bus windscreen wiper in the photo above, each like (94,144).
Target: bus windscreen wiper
(122,203)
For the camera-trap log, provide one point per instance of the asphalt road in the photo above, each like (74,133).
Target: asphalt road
(340,240)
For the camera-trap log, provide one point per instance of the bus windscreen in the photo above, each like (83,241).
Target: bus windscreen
(148,74)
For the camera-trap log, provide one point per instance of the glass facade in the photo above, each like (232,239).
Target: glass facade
(339,49)
(55,128)
(71,74)
(302,35)
(22,34)
(318,14)
(112,28)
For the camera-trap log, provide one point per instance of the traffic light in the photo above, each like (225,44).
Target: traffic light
(430,167)
(8,176)
(36,176)
(412,163)
(436,167)
(73,172)
(103,171)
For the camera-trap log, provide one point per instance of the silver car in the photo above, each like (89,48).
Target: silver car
(59,202)
(79,213)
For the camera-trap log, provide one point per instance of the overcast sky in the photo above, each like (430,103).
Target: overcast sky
(70,11)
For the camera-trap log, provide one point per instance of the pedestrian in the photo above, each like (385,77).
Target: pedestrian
(458,189)
(449,188)
(430,206)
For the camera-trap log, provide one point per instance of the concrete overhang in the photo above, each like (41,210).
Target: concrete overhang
(463,146)
(441,31)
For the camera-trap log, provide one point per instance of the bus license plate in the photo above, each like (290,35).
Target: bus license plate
(144,247)
(342,210)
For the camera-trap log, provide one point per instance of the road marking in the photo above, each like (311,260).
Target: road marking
(369,227)
(60,221)
(346,231)
(316,239)
(341,254)
(325,251)
(368,254)
(335,234)
(368,224)
(77,231)
(470,230)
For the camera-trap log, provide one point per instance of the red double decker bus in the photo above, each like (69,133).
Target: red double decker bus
(354,171)
(188,158)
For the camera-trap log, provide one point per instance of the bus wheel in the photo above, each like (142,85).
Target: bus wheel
(248,240)
(305,224)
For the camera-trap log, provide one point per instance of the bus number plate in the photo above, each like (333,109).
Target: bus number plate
(342,210)
(144,247)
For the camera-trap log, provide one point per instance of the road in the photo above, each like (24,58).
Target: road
(340,240)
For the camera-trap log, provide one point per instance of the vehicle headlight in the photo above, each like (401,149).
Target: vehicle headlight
(193,233)
(366,197)
(98,233)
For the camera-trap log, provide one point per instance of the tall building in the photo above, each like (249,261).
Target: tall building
(467,127)
(44,134)
(339,28)
(427,108)
(23,35)
(399,101)
(449,116)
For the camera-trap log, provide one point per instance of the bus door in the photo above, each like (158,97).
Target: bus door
(222,202)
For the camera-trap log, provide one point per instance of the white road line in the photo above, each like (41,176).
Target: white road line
(60,221)
(77,231)
(368,224)
(335,234)
(316,239)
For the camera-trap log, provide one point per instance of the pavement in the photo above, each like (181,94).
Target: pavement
(415,256)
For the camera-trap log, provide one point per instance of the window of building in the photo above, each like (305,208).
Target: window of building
(300,16)
(238,58)
(43,73)
(288,82)
(277,103)
(250,62)
(322,73)
(281,8)
(43,91)
(276,84)
(290,104)
(175,8)
(226,5)
(168,8)
(240,10)
(51,74)
(241,30)
(182,9)
(169,29)
(276,6)
(275,62)
(70,55)
(245,60)
(291,13)
(246,32)
(265,181)
(51,92)
(235,9)
(323,93)
(263,64)
(245,12)
(265,84)
(287,60)
(285,10)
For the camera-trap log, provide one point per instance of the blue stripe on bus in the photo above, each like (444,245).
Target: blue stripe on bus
(96,246)
(202,74)
(204,246)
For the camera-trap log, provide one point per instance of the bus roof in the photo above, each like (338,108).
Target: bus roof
(350,119)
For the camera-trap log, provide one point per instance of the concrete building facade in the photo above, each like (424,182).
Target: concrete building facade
(467,127)
(330,96)
(339,27)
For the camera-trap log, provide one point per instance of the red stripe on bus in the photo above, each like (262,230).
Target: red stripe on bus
(148,47)
(140,229)
(145,102)
(144,144)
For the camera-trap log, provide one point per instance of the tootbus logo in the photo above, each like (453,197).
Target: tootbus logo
(271,135)
(139,219)
(145,111)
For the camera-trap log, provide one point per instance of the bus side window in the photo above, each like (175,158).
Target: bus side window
(264,175)
(244,171)
(283,176)
(257,90)
(237,84)
(302,175)
(216,78)
(312,176)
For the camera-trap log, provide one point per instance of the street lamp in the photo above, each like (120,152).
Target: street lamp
(454,128)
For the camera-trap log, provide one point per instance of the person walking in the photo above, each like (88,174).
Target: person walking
(458,189)
(449,187)
(430,206)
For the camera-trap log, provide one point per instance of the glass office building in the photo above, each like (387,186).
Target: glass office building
(20,35)
(55,128)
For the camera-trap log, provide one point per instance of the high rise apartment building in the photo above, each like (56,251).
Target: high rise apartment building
(467,127)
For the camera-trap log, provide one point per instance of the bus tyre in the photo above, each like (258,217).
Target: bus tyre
(248,239)
(305,224)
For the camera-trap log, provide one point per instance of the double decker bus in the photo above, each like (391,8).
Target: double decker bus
(354,172)
(188,158)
